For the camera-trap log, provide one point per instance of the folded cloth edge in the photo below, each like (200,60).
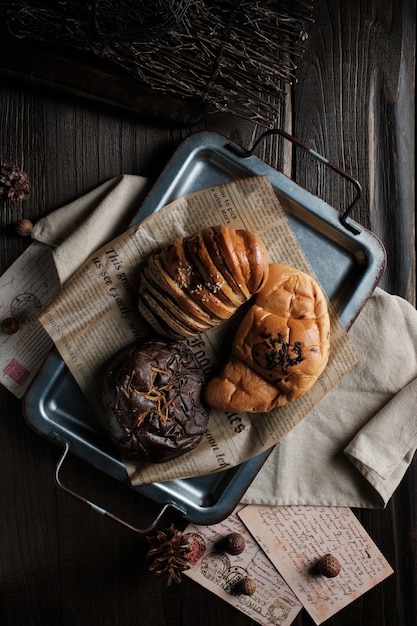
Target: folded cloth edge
(361,448)
(79,228)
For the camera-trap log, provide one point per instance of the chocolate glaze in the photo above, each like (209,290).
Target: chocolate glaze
(151,401)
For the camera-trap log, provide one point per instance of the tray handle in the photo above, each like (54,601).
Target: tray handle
(277,131)
(99,509)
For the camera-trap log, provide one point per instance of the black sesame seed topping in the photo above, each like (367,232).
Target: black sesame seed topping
(279,353)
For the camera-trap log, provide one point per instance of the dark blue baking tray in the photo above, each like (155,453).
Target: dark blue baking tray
(347,259)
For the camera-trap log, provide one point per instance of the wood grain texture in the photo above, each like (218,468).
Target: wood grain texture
(62,564)
(354,104)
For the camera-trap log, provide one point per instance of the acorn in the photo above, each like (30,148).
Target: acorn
(234,543)
(328,565)
(24,227)
(10,325)
(247,586)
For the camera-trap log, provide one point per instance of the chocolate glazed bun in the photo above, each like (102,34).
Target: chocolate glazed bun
(151,401)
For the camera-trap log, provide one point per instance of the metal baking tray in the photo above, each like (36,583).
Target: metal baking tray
(347,258)
(348,261)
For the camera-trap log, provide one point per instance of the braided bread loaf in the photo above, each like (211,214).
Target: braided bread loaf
(280,349)
(200,280)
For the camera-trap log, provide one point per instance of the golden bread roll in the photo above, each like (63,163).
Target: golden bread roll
(280,349)
(200,280)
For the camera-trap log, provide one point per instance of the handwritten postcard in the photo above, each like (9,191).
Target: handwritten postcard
(295,537)
(273,603)
(25,288)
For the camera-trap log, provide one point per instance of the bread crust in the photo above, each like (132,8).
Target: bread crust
(200,280)
(280,349)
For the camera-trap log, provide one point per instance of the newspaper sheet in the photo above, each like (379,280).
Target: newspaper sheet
(96,315)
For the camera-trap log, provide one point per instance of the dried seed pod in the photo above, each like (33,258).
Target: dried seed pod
(24,227)
(14,183)
(247,586)
(328,565)
(234,543)
(168,553)
(10,325)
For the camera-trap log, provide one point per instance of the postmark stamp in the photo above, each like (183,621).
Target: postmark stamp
(16,371)
(26,307)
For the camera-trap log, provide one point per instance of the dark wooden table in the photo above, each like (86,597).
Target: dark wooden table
(60,562)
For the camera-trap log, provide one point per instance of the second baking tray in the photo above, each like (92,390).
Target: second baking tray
(347,258)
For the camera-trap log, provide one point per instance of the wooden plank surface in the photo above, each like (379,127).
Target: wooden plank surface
(63,564)
(355,104)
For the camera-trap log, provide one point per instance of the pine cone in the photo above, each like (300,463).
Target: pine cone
(14,183)
(169,554)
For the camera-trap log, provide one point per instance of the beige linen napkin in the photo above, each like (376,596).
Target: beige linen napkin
(355,446)
(83,226)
